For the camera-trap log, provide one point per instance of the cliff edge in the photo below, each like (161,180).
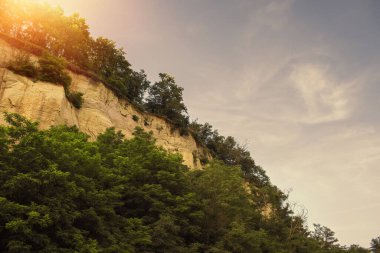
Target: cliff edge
(47,104)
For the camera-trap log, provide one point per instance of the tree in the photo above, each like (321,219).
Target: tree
(156,189)
(107,60)
(39,27)
(110,63)
(325,236)
(375,245)
(229,215)
(357,249)
(165,98)
(229,151)
(59,192)
(137,86)
(55,195)
(74,41)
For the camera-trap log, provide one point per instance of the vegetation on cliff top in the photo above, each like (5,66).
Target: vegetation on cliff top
(49,69)
(40,29)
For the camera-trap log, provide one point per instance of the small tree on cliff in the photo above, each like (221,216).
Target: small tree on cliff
(165,98)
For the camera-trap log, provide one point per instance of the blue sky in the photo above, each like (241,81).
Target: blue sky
(297,81)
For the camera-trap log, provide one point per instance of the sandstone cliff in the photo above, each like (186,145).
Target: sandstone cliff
(47,103)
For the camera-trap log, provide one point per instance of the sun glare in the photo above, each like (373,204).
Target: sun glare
(69,6)
(53,3)
(50,2)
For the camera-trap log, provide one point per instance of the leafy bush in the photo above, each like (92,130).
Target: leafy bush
(22,65)
(52,69)
(135,117)
(75,98)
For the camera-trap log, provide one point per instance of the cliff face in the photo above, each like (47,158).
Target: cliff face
(47,103)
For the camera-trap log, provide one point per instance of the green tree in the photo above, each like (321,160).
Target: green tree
(55,195)
(375,245)
(165,98)
(110,63)
(325,236)
(229,216)
(229,151)
(39,27)
(357,249)
(158,190)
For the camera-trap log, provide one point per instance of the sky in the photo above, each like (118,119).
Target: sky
(296,81)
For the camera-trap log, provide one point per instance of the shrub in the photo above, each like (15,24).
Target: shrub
(22,65)
(135,117)
(75,98)
(52,69)
(146,121)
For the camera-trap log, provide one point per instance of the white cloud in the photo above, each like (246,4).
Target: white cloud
(325,99)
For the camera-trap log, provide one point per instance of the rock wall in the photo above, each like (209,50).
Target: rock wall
(47,103)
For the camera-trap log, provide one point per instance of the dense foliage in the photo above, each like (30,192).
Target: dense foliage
(59,192)
(68,37)
(165,98)
(49,69)
(229,151)
(52,69)
(75,98)
(22,65)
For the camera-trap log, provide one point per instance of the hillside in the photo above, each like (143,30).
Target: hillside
(102,109)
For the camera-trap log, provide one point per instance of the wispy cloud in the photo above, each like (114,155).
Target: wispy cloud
(324,99)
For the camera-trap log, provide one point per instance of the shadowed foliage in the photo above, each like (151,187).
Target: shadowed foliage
(60,192)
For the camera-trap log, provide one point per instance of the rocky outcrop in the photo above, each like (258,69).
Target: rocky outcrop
(47,103)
